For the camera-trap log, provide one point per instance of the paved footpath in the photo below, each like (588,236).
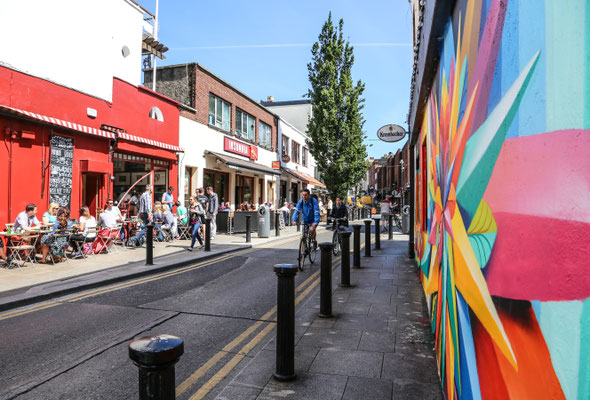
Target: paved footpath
(377,346)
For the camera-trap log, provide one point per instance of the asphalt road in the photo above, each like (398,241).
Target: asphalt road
(76,347)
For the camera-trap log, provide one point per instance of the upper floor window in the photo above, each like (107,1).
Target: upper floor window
(155,113)
(304,157)
(285,146)
(219,113)
(245,125)
(264,134)
(295,151)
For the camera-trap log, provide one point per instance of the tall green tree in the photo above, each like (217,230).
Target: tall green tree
(335,129)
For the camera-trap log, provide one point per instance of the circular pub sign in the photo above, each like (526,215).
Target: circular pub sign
(391,133)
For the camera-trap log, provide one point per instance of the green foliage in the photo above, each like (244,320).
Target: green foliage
(335,128)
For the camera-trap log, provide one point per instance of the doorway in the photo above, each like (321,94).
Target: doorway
(91,184)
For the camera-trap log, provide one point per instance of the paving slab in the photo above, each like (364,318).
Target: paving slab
(367,388)
(348,362)
(308,386)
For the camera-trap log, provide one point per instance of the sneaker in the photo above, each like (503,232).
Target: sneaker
(201,246)
(190,249)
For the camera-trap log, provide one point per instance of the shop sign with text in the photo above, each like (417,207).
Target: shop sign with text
(243,149)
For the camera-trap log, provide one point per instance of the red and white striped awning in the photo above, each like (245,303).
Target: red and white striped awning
(89,130)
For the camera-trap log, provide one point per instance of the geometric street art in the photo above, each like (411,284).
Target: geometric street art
(510,311)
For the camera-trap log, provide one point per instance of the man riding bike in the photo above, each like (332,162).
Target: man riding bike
(310,210)
(341,212)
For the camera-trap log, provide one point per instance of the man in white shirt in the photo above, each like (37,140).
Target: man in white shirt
(112,209)
(109,217)
(27,219)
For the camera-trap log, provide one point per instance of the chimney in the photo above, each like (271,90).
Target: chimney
(270,99)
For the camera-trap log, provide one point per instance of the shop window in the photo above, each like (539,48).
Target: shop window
(295,151)
(264,133)
(156,113)
(245,125)
(219,113)
(285,146)
(219,181)
(244,190)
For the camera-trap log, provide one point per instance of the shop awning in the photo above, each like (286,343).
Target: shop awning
(243,164)
(87,129)
(304,177)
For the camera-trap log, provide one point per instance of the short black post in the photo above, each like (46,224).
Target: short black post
(285,340)
(377,219)
(149,244)
(277,224)
(390,228)
(368,237)
(207,234)
(356,258)
(326,280)
(155,357)
(248,233)
(345,259)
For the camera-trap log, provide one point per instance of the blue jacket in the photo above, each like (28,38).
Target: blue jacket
(310,210)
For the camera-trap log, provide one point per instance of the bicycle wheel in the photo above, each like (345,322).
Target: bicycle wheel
(302,254)
(311,250)
(336,242)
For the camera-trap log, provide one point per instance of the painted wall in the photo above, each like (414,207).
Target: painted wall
(73,43)
(503,201)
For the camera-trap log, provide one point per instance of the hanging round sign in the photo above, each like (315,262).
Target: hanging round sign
(391,133)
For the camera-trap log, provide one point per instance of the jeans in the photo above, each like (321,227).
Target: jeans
(213,224)
(144,217)
(196,235)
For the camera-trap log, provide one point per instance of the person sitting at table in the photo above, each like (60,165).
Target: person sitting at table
(87,222)
(226,207)
(169,223)
(252,207)
(27,219)
(108,218)
(54,241)
(3,258)
(50,217)
(181,213)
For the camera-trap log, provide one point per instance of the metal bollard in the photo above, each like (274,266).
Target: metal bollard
(368,237)
(207,234)
(277,224)
(326,280)
(345,259)
(377,219)
(356,258)
(285,339)
(248,233)
(390,231)
(155,357)
(149,244)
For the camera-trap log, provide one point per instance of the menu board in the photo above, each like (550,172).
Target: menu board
(60,178)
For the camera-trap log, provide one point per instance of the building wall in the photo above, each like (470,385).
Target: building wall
(502,195)
(73,43)
(297,113)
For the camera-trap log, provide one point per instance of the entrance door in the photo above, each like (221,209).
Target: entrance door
(90,191)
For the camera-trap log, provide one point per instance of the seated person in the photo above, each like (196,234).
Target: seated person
(169,223)
(227,207)
(86,228)
(57,244)
(50,217)
(181,213)
(3,258)
(26,220)
(108,219)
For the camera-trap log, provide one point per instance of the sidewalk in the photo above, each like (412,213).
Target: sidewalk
(377,346)
(22,286)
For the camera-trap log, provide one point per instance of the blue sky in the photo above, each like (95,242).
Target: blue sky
(263,47)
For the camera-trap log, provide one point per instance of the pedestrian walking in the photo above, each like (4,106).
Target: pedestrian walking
(145,204)
(212,210)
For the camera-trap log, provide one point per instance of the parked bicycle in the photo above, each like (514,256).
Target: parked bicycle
(307,248)
(336,239)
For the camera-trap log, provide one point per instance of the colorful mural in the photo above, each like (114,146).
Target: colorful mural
(503,201)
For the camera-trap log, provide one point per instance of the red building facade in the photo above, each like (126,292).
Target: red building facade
(113,142)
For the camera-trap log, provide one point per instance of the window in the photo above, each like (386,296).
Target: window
(285,146)
(295,152)
(304,157)
(264,134)
(155,113)
(245,125)
(219,113)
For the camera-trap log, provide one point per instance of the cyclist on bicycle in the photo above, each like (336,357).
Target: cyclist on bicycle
(340,211)
(310,210)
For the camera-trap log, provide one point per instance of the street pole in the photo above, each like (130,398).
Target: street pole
(326,280)
(149,244)
(368,237)
(285,339)
(345,259)
(356,258)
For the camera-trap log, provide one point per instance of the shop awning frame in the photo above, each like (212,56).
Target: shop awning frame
(243,164)
(87,129)
(304,177)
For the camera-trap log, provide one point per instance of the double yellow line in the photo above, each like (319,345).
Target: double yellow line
(139,281)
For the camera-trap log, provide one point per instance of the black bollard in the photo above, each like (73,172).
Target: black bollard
(248,233)
(377,219)
(356,258)
(298,224)
(207,234)
(285,339)
(277,224)
(326,280)
(368,237)
(390,230)
(345,259)
(149,244)
(155,357)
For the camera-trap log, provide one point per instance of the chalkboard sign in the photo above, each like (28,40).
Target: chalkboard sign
(60,178)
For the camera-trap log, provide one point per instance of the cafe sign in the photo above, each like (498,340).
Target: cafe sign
(243,149)
(391,133)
